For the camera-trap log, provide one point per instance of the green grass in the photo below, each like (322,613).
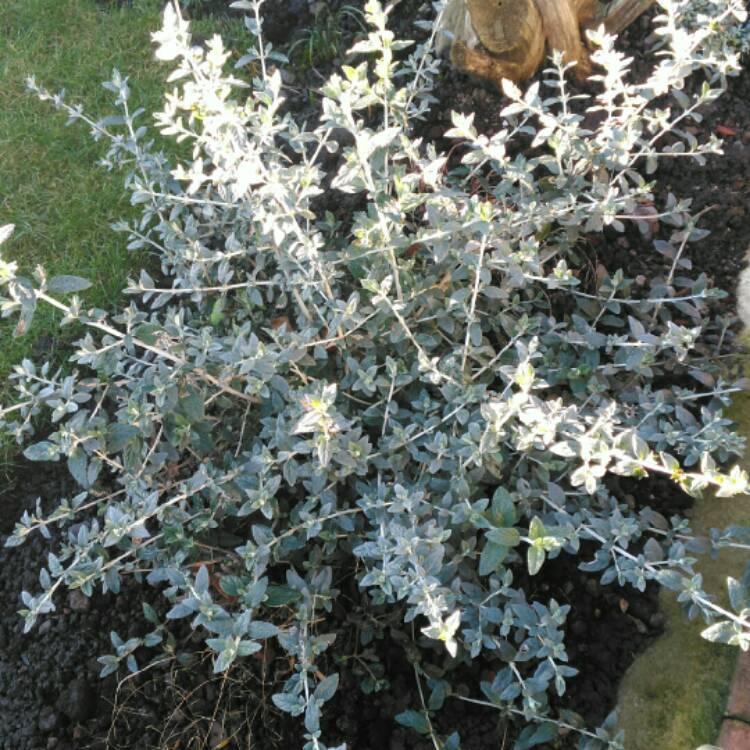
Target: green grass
(51,188)
(325,39)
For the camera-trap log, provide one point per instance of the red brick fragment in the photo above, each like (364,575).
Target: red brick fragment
(735,733)
(739,694)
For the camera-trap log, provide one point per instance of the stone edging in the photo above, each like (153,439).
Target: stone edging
(735,727)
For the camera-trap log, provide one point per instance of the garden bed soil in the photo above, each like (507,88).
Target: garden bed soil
(52,698)
(50,695)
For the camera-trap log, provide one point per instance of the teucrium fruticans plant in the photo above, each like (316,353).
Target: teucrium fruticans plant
(731,30)
(425,395)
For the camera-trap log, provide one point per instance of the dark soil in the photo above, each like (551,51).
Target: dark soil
(50,695)
(52,698)
(722,186)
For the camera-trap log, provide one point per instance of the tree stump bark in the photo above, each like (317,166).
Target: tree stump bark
(562,30)
(511,36)
(496,39)
(617,16)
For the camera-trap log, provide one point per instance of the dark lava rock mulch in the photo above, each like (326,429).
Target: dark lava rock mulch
(51,697)
(49,687)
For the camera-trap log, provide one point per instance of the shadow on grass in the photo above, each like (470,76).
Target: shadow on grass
(673,696)
(51,187)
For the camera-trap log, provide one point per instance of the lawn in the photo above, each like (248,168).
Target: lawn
(51,188)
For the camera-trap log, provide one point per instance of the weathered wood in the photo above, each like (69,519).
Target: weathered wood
(455,27)
(618,15)
(562,31)
(587,11)
(475,62)
(512,36)
(506,27)
(496,39)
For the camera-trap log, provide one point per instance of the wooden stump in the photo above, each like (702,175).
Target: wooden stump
(617,16)
(496,39)
(562,31)
(511,36)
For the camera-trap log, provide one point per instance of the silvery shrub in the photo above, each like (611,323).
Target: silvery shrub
(728,30)
(429,396)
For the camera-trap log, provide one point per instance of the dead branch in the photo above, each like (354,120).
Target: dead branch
(617,16)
